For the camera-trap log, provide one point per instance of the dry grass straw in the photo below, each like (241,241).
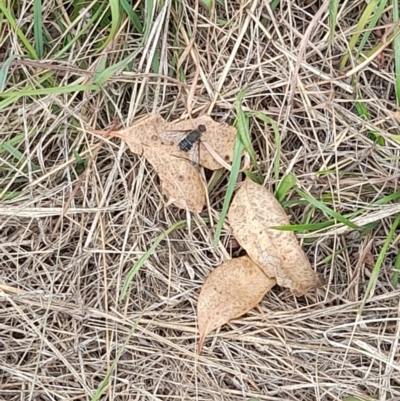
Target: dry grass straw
(61,324)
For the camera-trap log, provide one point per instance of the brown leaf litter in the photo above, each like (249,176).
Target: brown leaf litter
(231,290)
(274,256)
(148,132)
(254,210)
(180,181)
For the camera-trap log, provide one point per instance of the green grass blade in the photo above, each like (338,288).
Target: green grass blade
(395,279)
(359,28)
(217,174)
(115,22)
(274,4)
(396,48)
(364,113)
(145,257)
(150,9)
(156,62)
(38,27)
(104,383)
(4,72)
(237,156)
(278,147)
(374,20)
(333,9)
(49,91)
(96,15)
(208,4)
(255,177)
(100,69)
(10,195)
(104,76)
(245,137)
(14,26)
(318,226)
(382,254)
(11,99)
(360,106)
(288,182)
(305,227)
(326,209)
(233,176)
(132,15)
(246,141)
(388,198)
(8,147)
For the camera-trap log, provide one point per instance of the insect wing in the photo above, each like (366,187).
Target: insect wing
(174,137)
(194,155)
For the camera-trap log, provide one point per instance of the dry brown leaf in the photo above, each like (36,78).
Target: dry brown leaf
(142,133)
(219,136)
(180,180)
(252,212)
(231,290)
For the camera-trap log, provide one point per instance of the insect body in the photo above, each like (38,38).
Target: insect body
(191,138)
(188,141)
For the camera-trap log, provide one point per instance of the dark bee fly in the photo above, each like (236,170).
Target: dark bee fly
(188,141)
(191,138)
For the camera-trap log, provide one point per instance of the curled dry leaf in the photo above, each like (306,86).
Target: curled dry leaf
(254,210)
(230,291)
(180,180)
(219,136)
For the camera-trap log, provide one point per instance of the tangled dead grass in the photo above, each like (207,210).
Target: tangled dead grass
(61,323)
